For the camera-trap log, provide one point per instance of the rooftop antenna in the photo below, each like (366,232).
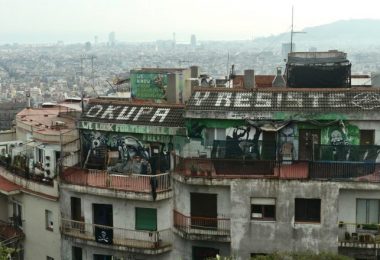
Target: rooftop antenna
(292,31)
(228,63)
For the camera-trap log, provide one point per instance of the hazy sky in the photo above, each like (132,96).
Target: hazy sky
(147,20)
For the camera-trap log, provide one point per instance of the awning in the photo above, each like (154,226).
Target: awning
(268,126)
(8,187)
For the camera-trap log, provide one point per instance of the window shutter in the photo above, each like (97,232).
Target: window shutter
(146,219)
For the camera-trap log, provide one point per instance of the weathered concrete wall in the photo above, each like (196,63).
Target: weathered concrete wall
(123,210)
(123,217)
(39,242)
(182,197)
(184,248)
(248,236)
(89,251)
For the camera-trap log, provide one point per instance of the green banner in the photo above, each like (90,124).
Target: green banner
(149,85)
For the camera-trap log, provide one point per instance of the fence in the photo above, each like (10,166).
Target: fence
(293,169)
(359,233)
(102,179)
(117,236)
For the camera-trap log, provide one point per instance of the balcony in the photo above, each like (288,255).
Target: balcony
(136,186)
(138,241)
(10,234)
(29,182)
(217,169)
(359,235)
(201,228)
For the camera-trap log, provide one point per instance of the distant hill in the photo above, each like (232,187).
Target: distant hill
(344,33)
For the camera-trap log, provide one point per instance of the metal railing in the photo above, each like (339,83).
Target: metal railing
(365,171)
(9,233)
(353,233)
(117,236)
(201,225)
(103,179)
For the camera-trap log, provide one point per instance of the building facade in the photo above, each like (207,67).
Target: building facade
(44,140)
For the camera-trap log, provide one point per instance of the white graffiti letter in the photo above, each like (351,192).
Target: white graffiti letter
(263,100)
(199,99)
(160,112)
(336,99)
(315,97)
(242,99)
(143,111)
(295,98)
(94,111)
(226,96)
(109,112)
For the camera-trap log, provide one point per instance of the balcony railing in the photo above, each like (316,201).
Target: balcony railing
(365,171)
(359,235)
(9,233)
(103,179)
(202,226)
(117,236)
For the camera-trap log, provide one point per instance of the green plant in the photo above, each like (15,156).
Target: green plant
(301,256)
(370,226)
(5,252)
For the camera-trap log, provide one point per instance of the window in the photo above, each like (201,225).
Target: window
(263,208)
(76,253)
(17,214)
(308,210)
(367,211)
(212,134)
(49,220)
(367,137)
(40,155)
(146,219)
(103,257)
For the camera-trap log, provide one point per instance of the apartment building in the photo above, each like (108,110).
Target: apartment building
(280,169)
(117,204)
(243,171)
(44,140)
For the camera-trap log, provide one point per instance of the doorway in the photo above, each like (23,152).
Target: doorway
(203,210)
(103,217)
(307,139)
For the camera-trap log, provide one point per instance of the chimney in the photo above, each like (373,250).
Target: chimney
(28,104)
(279,81)
(375,79)
(194,72)
(249,79)
(172,91)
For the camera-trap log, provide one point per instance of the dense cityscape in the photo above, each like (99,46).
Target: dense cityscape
(117,148)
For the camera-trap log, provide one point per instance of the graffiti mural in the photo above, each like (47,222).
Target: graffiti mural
(124,154)
(149,85)
(242,141)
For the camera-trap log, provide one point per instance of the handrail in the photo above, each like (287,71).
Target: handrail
(116,235)
(130,182)
(201,225)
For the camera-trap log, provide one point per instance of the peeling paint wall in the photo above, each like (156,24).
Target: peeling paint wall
(253,236)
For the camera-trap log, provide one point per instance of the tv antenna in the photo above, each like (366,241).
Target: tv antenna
(292,31)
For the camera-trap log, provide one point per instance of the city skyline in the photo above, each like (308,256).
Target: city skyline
(42,21)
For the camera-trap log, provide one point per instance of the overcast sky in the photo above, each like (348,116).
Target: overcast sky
(148,20)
